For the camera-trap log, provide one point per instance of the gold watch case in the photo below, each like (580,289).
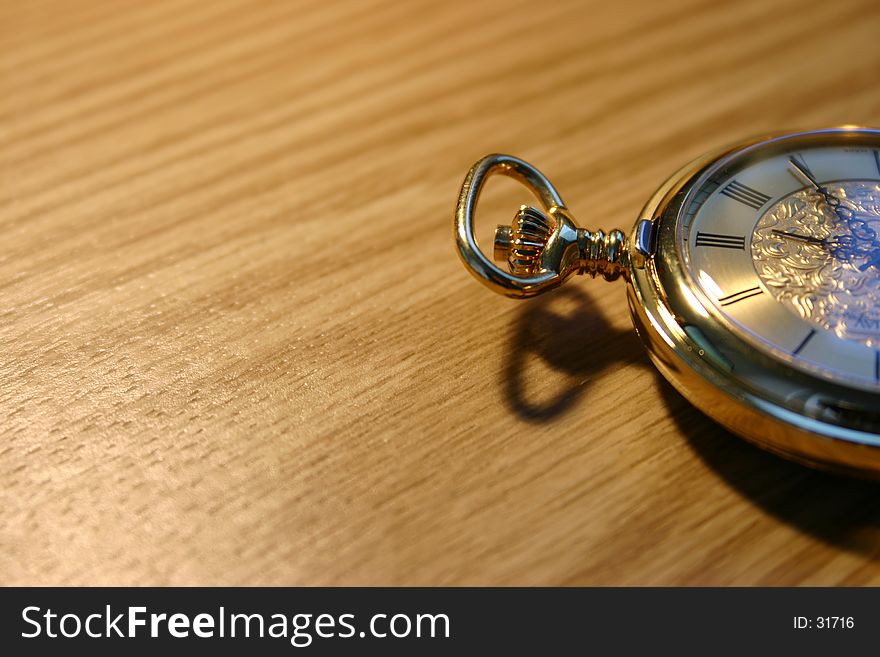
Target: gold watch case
(787,410)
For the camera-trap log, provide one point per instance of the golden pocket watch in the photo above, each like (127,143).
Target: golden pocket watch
(753,279)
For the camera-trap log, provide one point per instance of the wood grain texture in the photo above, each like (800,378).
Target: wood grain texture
(237,346)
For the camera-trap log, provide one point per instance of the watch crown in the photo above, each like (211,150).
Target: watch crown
(522,243)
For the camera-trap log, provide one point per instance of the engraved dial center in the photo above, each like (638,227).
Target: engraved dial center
(822,261)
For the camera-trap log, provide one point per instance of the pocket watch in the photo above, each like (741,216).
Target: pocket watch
(753,280)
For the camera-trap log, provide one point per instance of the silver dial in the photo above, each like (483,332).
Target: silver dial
(783,242)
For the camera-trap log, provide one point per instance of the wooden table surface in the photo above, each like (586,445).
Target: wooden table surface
(237,345)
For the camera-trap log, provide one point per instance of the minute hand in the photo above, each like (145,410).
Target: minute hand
(807,175)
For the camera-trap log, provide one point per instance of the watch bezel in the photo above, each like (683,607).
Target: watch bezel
(782,408)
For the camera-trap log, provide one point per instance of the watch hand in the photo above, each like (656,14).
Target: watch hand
(809,239)
(804,172)
(844,213)
(860,230)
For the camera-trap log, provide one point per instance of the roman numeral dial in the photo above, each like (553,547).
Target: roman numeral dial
(803,343)
(731,299)
(745,195)
(720,241)
(761,235)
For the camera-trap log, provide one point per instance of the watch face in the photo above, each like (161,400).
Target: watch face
(782,239)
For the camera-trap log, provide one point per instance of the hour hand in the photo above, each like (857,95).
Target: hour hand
(809,239)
